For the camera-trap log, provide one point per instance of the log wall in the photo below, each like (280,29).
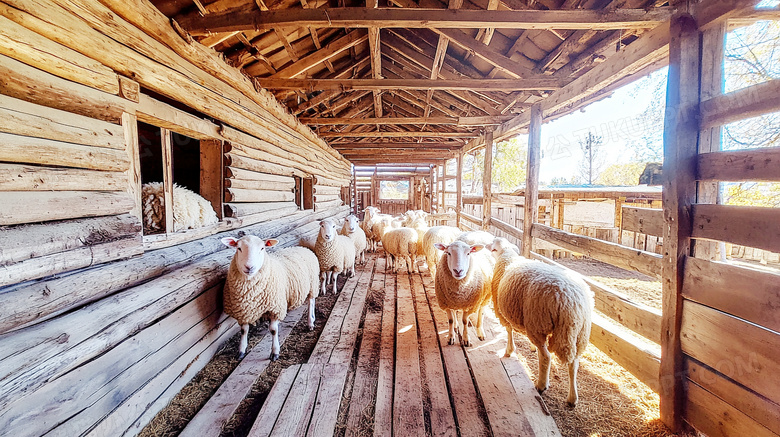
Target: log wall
(101,326)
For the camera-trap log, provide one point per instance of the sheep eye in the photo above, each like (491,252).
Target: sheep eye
(239,249)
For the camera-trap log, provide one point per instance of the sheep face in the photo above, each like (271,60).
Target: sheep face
(351,224)
(459,257)
(500,246)
(328,230)
(250,252)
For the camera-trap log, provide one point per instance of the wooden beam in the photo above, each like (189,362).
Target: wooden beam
(391,144)
(455,121)
(741,104)
(488,54)
(405,134)
(545,83)
(487,181)
(681,131)
(428,19)
(740,165)
(532,178)
(345,43)
(458,189)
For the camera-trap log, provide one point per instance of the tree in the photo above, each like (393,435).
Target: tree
(590,166)
(647,143)
(621,174)
(753,194)
(509,164)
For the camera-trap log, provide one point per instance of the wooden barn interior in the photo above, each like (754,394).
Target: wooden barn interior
(282,113)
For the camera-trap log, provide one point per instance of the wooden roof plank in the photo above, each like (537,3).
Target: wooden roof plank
(233,21)
(334,48)
(544,83)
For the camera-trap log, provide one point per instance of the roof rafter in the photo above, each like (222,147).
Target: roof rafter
(235,21)
(508,85)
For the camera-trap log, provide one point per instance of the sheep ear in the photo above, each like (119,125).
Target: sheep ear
(476,248)
(440,246)
(271,242)
(230,242)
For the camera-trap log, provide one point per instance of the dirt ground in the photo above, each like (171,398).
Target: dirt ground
(640,288)
(183,407)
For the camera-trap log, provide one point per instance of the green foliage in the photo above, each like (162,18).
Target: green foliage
(764,194)
(621,174)
(509,164)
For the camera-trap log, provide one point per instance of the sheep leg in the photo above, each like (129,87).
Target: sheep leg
(244,341)
(335,281)
(323,278)
(573,367)
(510,343)
(412,263)
(311,314)
(465,333)
(480,331)
(543,380)
(453,327)
(274,329)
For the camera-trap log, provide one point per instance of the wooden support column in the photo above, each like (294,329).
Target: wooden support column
(681,134)
(532,178)
(459,189)
(130,127)
(167,164)
(211,174)
(712,84)
(354,193)
(487,181)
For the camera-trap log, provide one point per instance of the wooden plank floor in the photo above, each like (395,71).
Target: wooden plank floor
(398,376)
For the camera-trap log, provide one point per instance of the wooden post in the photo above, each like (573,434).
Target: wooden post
(459,190)
(532,177)
(167,165)
(681,134)
(354,193)
(211,174)
(130,126)
(487,181)
(712,84)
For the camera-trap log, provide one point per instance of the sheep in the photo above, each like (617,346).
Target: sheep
(463,282)
(437,234)
(482,238)
(352,230)
(421,226)
(371,216)
(336,254)
(553,306)
(259,282)
(190,210)
(401,243)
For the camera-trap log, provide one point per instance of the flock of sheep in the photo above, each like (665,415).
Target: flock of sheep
(470,270)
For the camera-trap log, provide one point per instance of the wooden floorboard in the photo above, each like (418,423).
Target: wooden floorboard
(361,405)
(407,401)
(442,421)
(383,415)
(326,408)
(407,379)
(463,392)
(346,311)
(269,413)
(221,405)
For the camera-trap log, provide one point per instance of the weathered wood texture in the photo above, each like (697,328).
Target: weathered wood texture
(643,220)
(744,225)
(223,403)
(681,133)
(615,254)
(740,165)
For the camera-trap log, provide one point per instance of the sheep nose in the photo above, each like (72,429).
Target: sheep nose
(458,272)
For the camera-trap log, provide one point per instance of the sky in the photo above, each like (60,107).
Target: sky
(613,118)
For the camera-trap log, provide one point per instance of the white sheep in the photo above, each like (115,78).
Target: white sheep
(463,282)
(437,234)
(336,254)
(260,282)
(370,217)
(401,244)
(190,210)
(553,306)
(482,238)
(351,229)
